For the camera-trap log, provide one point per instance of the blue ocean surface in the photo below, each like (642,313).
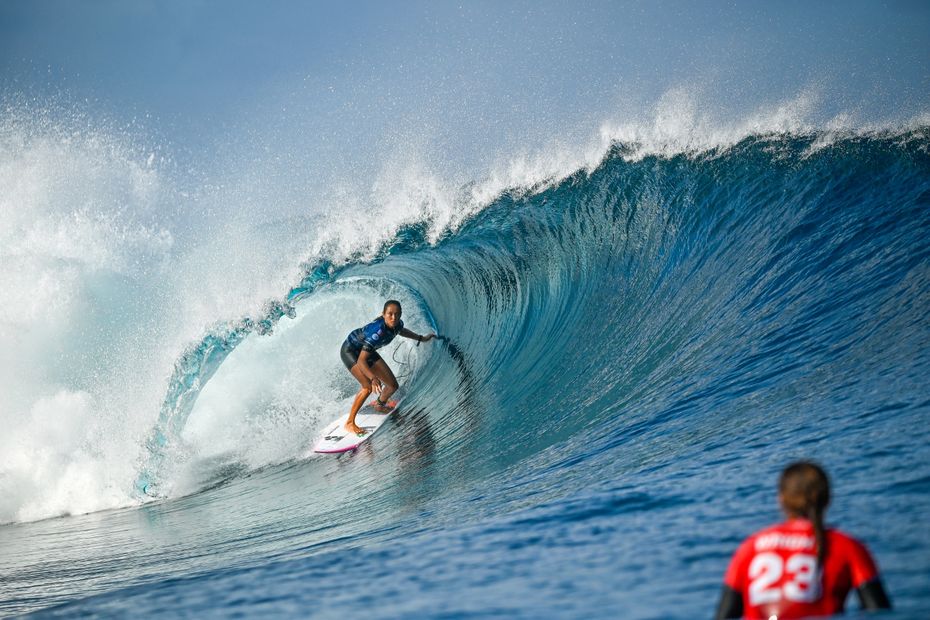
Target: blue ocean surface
(634,351)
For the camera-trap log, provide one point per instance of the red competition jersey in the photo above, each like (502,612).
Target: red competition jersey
(775,570)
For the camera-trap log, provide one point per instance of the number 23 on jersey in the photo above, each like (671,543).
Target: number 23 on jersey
(774,579)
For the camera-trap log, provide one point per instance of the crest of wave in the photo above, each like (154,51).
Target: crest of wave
(678,124)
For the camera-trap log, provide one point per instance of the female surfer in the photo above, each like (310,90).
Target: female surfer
(359,354)
(800,568)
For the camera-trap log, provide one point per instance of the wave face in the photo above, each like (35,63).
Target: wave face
(634,353)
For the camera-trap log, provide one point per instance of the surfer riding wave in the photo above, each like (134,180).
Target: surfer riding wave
(360,355)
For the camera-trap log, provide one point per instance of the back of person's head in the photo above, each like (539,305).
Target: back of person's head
(804,491)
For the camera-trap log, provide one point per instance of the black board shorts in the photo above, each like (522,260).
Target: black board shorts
(350,356)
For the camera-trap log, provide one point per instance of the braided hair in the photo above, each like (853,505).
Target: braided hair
(804,490)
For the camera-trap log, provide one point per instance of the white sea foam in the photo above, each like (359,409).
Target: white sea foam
(76,239)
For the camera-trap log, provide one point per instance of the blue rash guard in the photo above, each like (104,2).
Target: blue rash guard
(373,336)
(369,338)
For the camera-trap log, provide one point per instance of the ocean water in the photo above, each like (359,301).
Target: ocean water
(640,336)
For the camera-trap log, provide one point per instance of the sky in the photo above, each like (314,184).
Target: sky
(330,82)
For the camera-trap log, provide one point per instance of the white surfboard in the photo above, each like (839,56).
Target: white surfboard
(335,438)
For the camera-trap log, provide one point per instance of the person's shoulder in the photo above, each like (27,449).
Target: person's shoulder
(768,536)
(838,534)
(839,538)
(749,543)
(854,553)
(776,529)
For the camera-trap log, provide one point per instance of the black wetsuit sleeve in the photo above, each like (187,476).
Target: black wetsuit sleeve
(872,595)
(731,604)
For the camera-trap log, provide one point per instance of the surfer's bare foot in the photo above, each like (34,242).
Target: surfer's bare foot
(352,427)
(382,408)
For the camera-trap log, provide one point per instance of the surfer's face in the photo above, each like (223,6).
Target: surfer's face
(392,316)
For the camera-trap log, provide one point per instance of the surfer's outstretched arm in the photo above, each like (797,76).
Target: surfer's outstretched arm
(406,333)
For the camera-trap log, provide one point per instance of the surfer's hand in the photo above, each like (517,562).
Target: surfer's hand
(428,337)
(376,385)
(352,427)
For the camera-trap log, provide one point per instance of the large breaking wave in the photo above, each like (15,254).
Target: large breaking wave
(156,337)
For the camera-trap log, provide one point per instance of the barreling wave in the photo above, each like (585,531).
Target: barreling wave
(583,282)
(708,288)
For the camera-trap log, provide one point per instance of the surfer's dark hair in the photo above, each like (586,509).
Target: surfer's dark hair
(391,302)
(805,492)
